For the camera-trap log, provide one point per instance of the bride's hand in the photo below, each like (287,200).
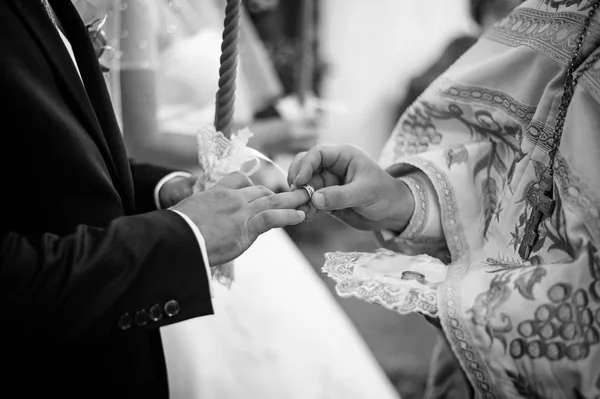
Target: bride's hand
(351,186)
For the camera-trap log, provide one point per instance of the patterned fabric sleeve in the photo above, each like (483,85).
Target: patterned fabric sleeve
(424,233)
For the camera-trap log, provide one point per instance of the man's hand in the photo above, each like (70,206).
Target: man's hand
(176,190)
(353,188)
(233,213)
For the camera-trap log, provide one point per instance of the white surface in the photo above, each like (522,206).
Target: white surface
(277,334)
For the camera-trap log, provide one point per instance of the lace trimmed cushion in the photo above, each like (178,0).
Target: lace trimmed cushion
(376,277)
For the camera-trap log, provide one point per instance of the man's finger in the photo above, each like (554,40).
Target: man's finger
(273,218)
(341,197)
(235,181)
(334,159)
(324,179)
(253,193)
(294,168)
(285,200)
(307,166)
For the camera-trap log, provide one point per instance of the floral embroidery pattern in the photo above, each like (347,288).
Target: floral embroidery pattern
(492,98)
(567,326)
(456,155)
(546,333)
(549,33)
(418,131)
(484,311)
(540,134)
(527,389)
(448,293)
(497,165)
(556,4)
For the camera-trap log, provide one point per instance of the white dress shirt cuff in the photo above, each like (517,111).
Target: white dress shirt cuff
(202,246)
(162,182)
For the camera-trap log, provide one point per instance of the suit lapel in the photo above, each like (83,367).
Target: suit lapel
(35,17)
(92,102)
(98,95)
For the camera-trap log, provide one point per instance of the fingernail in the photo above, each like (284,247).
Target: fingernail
(302,215)
(293,187)
(318,200)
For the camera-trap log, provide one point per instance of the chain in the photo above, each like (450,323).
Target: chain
(574,72)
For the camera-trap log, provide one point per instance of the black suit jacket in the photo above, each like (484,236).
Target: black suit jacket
(84,255)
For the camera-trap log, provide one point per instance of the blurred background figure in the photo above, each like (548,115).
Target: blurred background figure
(484,13)
(337,71)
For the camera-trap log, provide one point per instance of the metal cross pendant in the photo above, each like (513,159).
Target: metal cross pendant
(541,205)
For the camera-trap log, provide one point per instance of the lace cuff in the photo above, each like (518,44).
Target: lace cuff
(425,225)
(417,222)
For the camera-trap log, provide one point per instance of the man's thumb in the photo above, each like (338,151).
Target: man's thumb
(338,197)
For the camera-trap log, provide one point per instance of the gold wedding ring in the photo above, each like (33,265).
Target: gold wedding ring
(309,190)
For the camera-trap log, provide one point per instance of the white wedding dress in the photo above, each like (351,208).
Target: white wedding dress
(278,332)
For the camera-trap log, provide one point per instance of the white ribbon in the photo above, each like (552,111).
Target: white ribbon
(220,156)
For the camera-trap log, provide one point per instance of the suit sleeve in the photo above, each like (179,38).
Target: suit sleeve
(140,272)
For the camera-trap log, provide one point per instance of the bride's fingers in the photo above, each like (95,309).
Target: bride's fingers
(335,159)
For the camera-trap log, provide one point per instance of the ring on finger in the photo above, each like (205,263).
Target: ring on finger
(309,190)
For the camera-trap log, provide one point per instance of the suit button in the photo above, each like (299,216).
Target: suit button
(141,317)
(156,313)
(125,321)
(172,308)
